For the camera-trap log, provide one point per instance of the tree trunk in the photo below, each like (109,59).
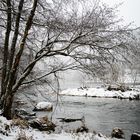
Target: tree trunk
(7,106)
(2,95)
(10,69)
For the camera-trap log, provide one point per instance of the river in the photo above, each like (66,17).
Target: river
(101,115)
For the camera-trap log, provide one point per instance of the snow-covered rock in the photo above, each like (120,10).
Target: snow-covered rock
(44,106)
(135,136)
(102,93)
(43,124)
(4,121)
(117,133)
(4,126)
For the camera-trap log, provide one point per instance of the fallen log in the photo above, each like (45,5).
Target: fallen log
(68,120)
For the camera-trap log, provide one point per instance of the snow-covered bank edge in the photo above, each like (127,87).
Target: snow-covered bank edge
(16,132)
(102,93)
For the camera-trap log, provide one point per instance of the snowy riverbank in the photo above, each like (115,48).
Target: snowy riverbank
(102,93)
(10,132)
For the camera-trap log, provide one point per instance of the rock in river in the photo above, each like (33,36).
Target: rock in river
(23,114)
(135,136)
(43,106)
(43,124)
(117,133)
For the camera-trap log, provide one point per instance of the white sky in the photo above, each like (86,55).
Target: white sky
(129,10)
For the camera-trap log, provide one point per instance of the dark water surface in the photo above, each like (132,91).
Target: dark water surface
(101,115)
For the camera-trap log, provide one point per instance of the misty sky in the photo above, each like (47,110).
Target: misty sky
(129,10)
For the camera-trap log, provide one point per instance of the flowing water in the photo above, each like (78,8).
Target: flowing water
(101,115)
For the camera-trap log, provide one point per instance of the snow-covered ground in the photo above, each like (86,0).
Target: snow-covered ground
(101,93)
(31,134)
(36,135)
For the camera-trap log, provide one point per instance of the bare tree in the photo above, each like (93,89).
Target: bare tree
(134,56)
(60,33)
